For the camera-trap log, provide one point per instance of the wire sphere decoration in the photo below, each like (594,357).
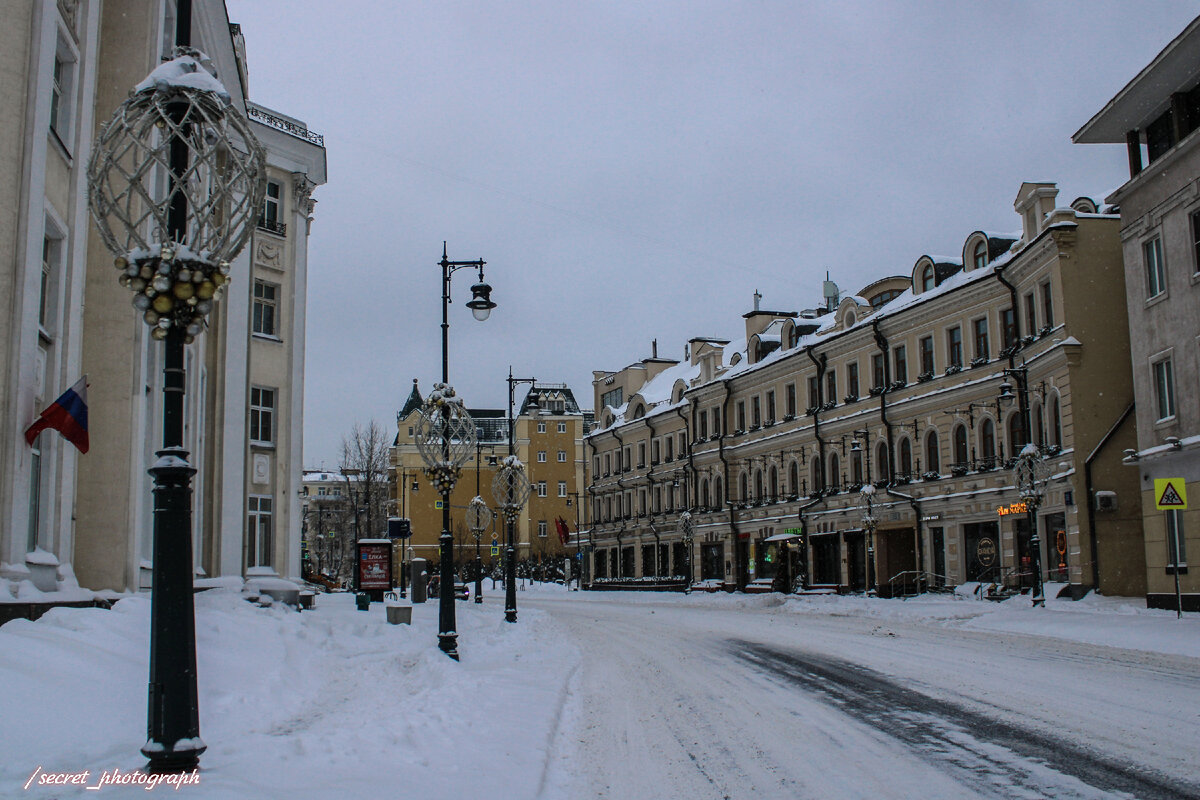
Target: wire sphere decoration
(1031,471)
(511,487)
(685,523)
(445,437)
(478,516)
(132,189)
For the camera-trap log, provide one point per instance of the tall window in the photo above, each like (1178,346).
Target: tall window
(1047,305)
(856,467)
(900,358)
(794,478)
(770,405)
(1164,388)
(541,427)
(1156,269)
(670,441)
(933,462)
(852,379)
(271,204)
(1030,314)
(541,456)
(716,421)
(1056,423)
(960,445)
(835,479)
(262,415)
(831,387)
(62,80)
(741,415)
(1176,548)
(981,338)
(756,411)
(814,392)
(562,456)
(260,528)
(703,424)
(987,437)
(266,305)
(1195,217)
(1008,327)
(954,346)
(46,290)
(562,427)
(790,394)
(543,529)
(906,457)
(877,376)
(562,488)
(927,366)
(541,488)
(35,495)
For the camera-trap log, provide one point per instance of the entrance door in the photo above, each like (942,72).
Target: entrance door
(1056,547)
(856,561)
(939,556)
(742,562)
(982,546)
(1024,552)
(826,560)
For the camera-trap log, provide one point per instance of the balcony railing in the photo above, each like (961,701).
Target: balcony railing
(272,226)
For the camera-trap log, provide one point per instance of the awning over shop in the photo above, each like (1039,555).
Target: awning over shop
(783,537)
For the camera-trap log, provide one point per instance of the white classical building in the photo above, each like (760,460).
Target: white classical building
(65,66)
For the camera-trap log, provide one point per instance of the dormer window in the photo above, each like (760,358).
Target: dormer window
(927,278)
(980,255)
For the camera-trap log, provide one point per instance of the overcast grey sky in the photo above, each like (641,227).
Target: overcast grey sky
(635,170)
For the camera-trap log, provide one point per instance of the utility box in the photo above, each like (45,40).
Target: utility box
(420,579)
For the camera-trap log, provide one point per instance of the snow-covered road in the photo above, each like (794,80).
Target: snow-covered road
(699,699)
(624,697)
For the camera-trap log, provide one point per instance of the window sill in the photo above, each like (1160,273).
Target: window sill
(1172,569)
(262,445)
(61,147)
(266,337)
(1156,299)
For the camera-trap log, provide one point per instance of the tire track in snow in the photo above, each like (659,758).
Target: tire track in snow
(1003,754)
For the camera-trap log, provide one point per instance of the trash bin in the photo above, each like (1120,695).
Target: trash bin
(363,600)
(420,577)
(307,600)
(398,613)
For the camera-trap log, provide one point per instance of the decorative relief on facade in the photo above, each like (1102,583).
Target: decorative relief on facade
(68,9)
(303,188)
(269,254)
(262,468)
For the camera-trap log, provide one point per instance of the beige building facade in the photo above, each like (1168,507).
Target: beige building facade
(73,62)
(1157,117)
(547,438)
(922,386)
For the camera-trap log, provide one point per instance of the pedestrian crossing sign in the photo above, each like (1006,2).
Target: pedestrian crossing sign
(1170,494)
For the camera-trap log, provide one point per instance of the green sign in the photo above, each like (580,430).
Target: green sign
(794,531)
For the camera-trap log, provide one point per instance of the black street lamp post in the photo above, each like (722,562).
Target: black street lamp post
(507,499)
(870,523)
(1029,471)
(175,180)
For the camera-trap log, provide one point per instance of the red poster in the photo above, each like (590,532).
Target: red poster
(375,566)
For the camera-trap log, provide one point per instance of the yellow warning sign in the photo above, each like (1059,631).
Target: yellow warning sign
(1170,494)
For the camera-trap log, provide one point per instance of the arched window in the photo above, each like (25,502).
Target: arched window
(856,467)
(927,278)
(744,488)
(835,477)
(980,255)
(1016,433)
(758,486)
(906,457)
(960,445)
(1055,424)
(933,461)
(704,493)
(818,475)
(987,438)
(773,483)
(1039,424)
(718,494)
(883,463)
(794,478)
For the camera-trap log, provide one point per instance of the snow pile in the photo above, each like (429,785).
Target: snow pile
(332,702)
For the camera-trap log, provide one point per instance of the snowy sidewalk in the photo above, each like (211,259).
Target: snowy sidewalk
(329,703)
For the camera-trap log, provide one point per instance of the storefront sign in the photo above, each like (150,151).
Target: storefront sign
(985,552)
(1012,508)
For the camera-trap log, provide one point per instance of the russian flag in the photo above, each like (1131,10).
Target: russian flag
(67,415)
